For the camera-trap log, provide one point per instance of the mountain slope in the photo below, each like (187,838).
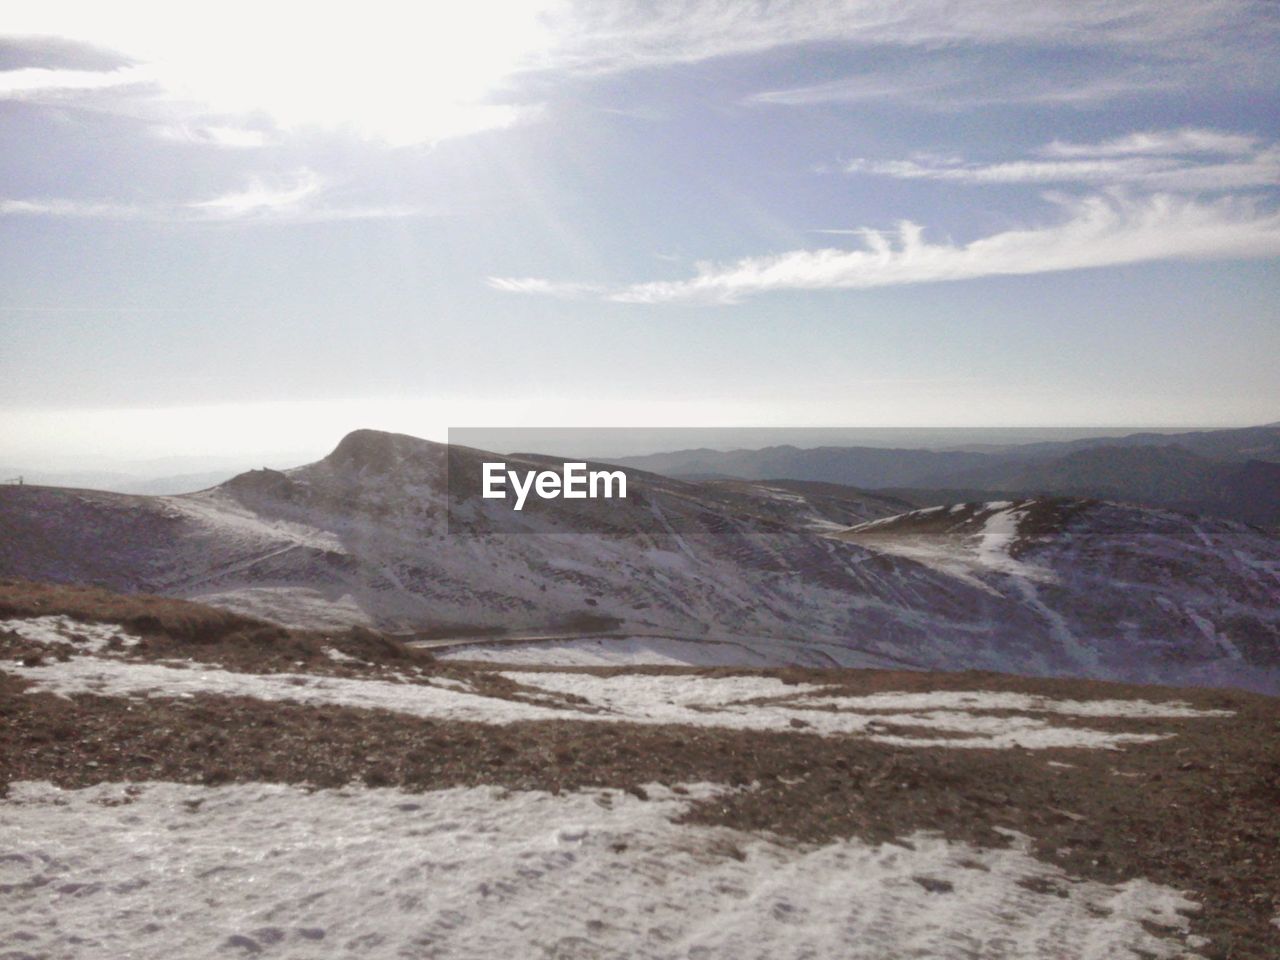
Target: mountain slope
(1185,596)
(362,537)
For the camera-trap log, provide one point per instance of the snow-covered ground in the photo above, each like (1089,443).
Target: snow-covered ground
(614,652)
(75,635)
(979,547)
(963,719)
(159,870)
(991,700)
(623,651)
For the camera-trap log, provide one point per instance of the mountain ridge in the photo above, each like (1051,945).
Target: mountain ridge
(364,536)
(1232,473)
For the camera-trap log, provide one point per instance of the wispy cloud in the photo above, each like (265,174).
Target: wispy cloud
(297,198)
(542,287)
(993,52)
(212,135)
(61,207)
(262,199)
(1188,140)
(36,83)
(1097,231)
(1170,160)
(952,81)
(620,34)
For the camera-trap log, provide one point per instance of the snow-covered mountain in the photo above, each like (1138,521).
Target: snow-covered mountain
(767,572)
(1190,599)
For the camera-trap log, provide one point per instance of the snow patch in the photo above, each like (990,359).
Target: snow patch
(164,870)
(82,635)
(622,651)
(114,678)
(1025,703)
(765,703)
(740,703)
(997,536)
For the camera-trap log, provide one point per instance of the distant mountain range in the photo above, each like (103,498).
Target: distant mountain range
(1227,473)
(771,572)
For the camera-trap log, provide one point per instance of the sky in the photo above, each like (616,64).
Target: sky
(244,229)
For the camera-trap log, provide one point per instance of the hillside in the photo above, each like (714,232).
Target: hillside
(680,572)
(362,537)
(1116,569)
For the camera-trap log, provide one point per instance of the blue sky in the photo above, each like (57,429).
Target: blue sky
(247,230)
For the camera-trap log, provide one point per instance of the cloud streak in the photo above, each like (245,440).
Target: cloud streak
(212,135)
(990,52)
(294,199)
(1097,231)
(1172,160)
(616,35)
(42,83)
(549,288)
(261,199)
(1188,140)
(62,207)
(950,82)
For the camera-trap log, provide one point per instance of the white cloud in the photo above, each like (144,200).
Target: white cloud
(34,83)
(950,83)
(608,34)
(1145,46)
(295,199)
(260,198)
(537,285)
(1097,231)
(1170,160)
(1158,143)
(60,207)
(235,138)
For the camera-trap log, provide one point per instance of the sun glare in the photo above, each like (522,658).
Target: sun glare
(390,71)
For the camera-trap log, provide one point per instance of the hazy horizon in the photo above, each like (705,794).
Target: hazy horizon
(140,474)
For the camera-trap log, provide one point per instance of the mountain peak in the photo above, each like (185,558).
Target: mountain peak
(377,450)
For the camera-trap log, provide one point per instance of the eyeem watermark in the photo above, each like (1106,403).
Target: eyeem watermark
(573,482)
